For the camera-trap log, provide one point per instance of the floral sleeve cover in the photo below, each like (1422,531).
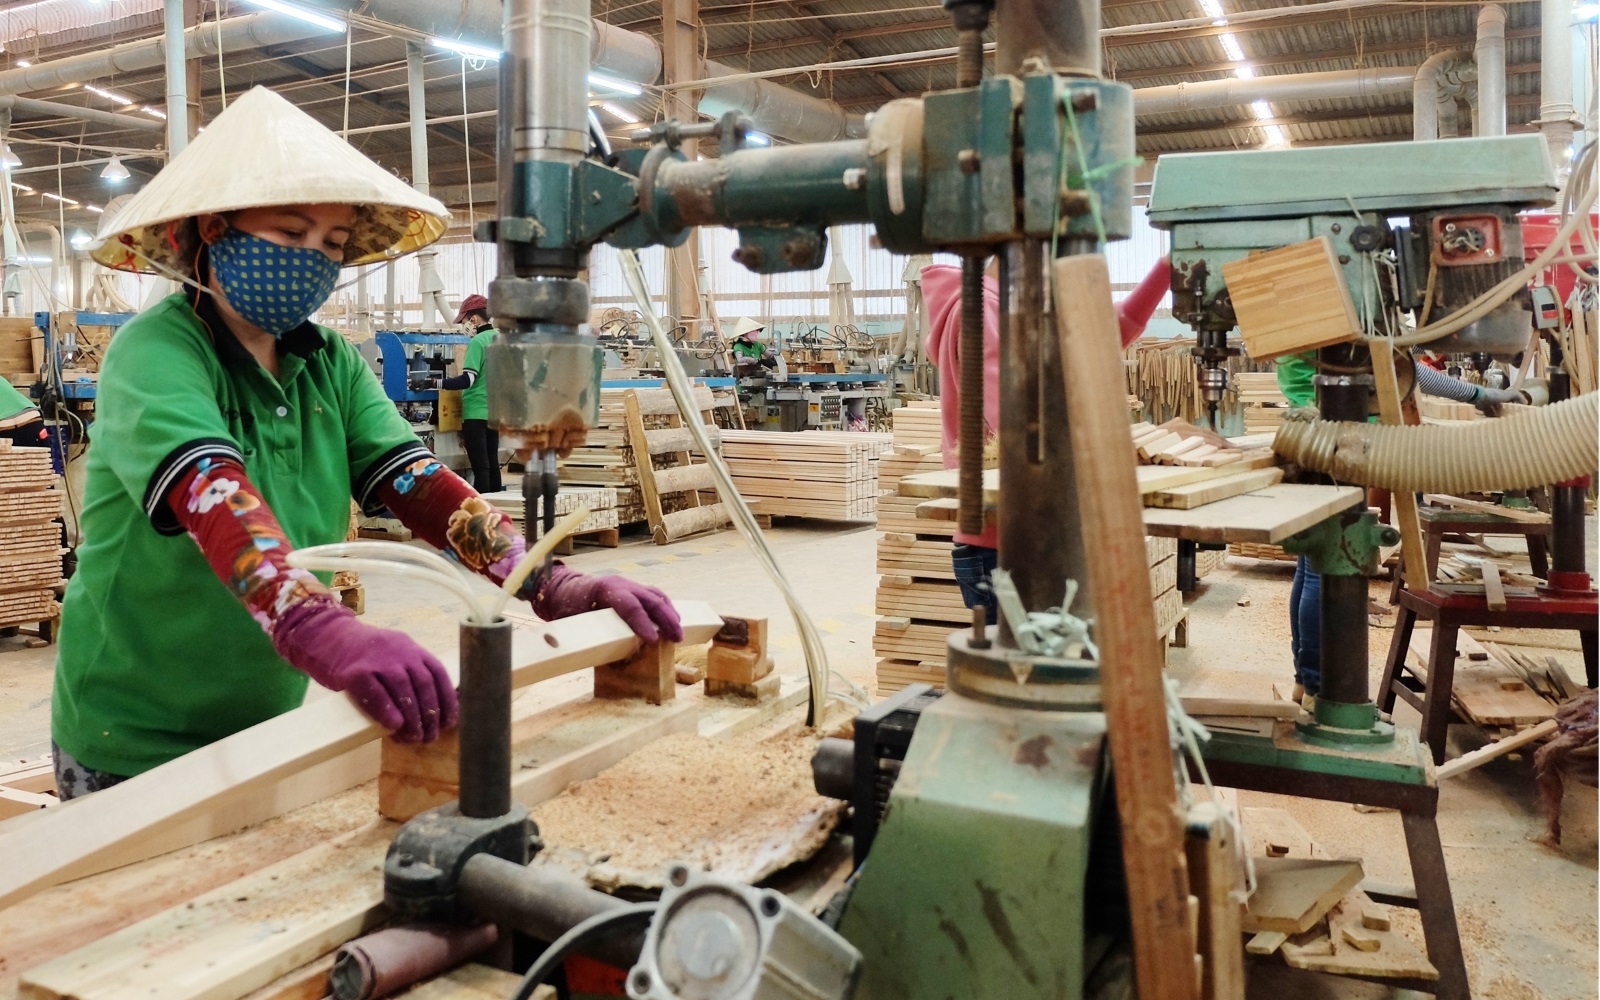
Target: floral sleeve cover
(447,513)
(241,539)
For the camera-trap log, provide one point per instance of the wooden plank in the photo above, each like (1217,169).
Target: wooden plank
(1498,748)
(1268,515)
(73,840)
(1199,494)
(1130,655)
(1494,592)
(1257,708)
(16,802)
(1478,507)
(1294,893)
(1383,953)
(1291,298)
(1218,883)
(1392,409)
(229,941)
(1265,942)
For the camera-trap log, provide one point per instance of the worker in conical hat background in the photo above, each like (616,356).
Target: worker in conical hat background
(231,430)
(747,346)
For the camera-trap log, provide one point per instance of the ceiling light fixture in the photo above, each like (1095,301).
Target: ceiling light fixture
(1245,71)
(24,63)
(310,17)
(154,112)
(466,48)
(1231,46)
(96,209)
(1261,109)
(81,240)
(56,197)
(621,113)
(108,95)
(757,139)
(1275,136)
(114,171)
(25,189)
(603,82)
(9,160)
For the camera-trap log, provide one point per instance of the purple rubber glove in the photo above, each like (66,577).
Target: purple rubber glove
(564,592)
(395,682)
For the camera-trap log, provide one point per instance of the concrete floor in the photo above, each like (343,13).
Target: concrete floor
(1527,911)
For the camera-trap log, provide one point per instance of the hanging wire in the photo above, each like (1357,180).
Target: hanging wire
(344,130)
(222,77)
(466,154)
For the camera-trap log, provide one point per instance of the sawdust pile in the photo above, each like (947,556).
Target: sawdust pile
(739,807)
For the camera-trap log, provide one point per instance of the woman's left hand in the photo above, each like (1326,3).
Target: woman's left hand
(646,610)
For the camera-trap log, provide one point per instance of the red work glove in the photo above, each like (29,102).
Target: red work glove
(564,592)
(395,682)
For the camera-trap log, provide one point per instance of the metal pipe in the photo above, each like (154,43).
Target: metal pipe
(485,757)
(1443,76)
(1490,53)
(250,31)
(429,285)
(544,902)
(1062,34)
(754,185)
(1343,612)
(970,425)
(1557,116)
(177,77)
(59,110)
(1567,530)
(1338,84)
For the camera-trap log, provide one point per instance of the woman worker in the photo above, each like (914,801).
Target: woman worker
(232,430)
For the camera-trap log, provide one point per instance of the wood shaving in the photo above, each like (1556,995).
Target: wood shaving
(740,808)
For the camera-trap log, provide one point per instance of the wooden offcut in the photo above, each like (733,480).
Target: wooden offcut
(1293,298)
(1130,656)
(1294,893)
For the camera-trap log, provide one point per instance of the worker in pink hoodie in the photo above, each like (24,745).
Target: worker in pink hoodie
(974,557)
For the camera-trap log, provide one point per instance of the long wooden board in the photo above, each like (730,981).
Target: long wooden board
(1210,491)
(1269,515)
(70,840)
(1130,657)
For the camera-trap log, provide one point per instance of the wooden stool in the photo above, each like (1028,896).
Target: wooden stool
(1438,522)
(1448,608)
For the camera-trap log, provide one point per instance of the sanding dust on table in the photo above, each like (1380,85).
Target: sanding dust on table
(739,807)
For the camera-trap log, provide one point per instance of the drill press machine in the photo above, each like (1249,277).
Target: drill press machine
(1032,163)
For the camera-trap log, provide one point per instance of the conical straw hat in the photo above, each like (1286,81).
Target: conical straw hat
(746,325)
(264,151)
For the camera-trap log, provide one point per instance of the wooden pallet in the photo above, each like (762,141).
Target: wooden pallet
(679,474)
(831,475)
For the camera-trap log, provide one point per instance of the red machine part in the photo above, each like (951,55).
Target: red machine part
(1538,230)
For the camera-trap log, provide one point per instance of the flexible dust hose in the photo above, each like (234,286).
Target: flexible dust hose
(1549,444)
(743,520)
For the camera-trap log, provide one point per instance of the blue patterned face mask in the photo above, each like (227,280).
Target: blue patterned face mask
(275,288)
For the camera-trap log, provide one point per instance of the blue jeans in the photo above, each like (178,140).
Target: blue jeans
(973,564)
(1305,626)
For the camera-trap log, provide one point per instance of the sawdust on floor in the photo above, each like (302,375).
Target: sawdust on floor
(738,807)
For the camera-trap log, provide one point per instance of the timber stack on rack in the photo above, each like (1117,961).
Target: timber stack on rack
(600,527)
(1263,403)
(831,475)
(30,538)
(918,423)
(680,492)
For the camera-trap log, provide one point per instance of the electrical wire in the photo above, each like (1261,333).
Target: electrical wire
(576,938)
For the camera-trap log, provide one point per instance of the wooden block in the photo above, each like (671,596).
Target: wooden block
(1394,957)
(736,666)
(763,689)
(1294,893)
(1493,590)
(740,632)
(651,674)
(1265,942)
(688,674)
(1218,885)
(1199,494)
(1293,298)
(1375,917)
(1360,938)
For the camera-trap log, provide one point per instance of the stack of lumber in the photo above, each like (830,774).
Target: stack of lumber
(1161,373)
(601,501)
(918,423)
(1178,442)
(606,461)
(1259,550)
(30,538)
(831,475)
(1263,403)
(919,604)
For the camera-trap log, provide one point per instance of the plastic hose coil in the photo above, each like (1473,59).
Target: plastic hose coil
(1549,444)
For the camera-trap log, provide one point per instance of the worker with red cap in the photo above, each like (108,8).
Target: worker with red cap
(481,441)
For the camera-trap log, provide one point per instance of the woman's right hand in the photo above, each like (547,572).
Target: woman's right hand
(395,682)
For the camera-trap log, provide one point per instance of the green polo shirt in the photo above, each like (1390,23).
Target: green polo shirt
(750,349)
(1296,375)
(13,402)
(157,656)
(475,397)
